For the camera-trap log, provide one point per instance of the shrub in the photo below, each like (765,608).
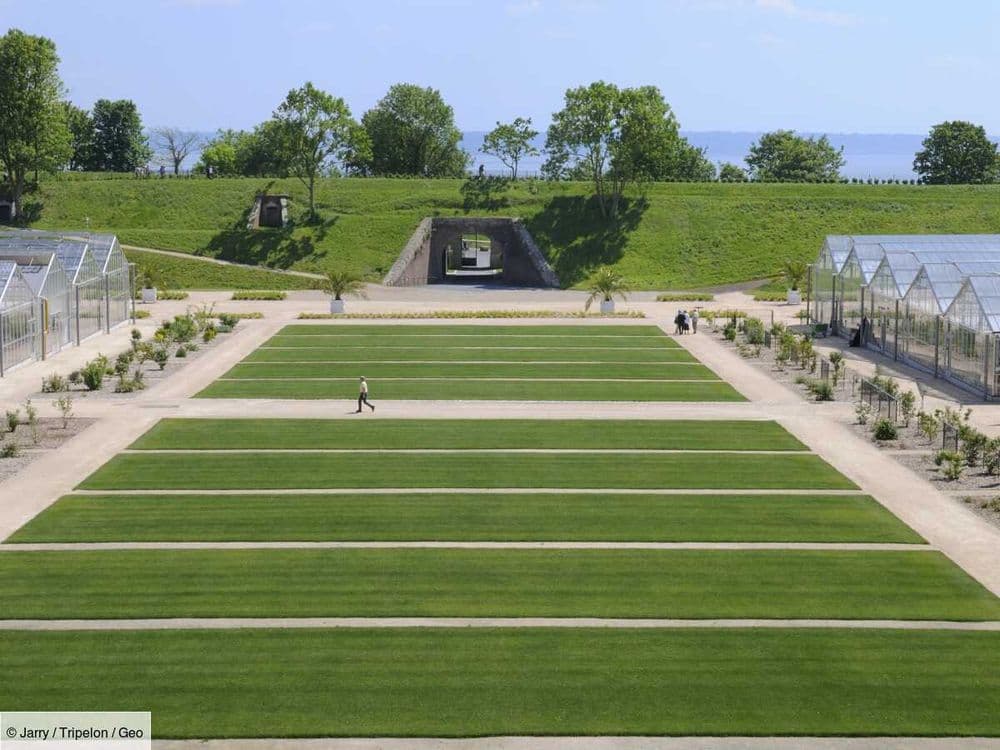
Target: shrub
(209,333)
(65,406)
(837,360)
(885,430)
(136,337)
(168,295)
(973,444)
(181,352)
(160,356)
(140,314)
(10,450)
(123,361)
(75,377)
(183,328)
(907,405)
(769,296)
(753,329)
(54,383)
(823,390)
(991,456)
(13,419)
(863,412)
(928,426)
(276,295)
(229,320)
(93,374)
(953,468)
(729,332)
(942,456)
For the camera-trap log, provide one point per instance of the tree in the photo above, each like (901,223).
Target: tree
(412,131)
(33,132)
(219,153)
(177,144)
(957,153)
(119,142)
(616,137)
(316,131)
(511,142)
(81,131)
(782,155)
(729,172)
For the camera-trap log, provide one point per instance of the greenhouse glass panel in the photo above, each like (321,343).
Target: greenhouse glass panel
(117,281)
(849,297)
(50,284)
(18,318)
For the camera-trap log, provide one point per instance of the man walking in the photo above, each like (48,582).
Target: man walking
(694,321)
(363,397)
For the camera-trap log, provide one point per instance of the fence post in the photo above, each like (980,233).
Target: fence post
(895,335)
(76,288)
(107,303)
(2,346)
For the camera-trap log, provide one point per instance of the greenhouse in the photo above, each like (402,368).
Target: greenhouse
(53,294)
(18,318)
(118,294)
(973,318)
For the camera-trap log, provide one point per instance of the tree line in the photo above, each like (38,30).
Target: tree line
(610,136)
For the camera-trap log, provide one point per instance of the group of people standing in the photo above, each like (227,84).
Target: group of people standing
(686,321)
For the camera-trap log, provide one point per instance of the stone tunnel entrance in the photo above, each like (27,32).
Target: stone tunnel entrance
(468,249)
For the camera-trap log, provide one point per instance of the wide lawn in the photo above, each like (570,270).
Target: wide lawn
(482,353)
(475,682)
(376,372)
(279,470)
(568,330)
(489,582)
(692,434)
(463,389)
(467,517)
(399,338)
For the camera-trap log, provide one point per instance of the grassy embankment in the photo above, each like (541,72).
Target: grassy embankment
(673,236)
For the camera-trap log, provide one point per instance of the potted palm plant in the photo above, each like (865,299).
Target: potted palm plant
(339,284)
(605,285)
(795,271)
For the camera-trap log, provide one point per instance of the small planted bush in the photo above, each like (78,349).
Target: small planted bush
(229,320)
(54,383)
(885,430)
(13,419)
(863,412)
(160,356)
(729,332)
(973,445)
(181,352)
(93,374)
(822,389)
(10,450)
(209,333)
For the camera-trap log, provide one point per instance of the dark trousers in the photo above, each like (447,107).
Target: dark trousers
(363,399)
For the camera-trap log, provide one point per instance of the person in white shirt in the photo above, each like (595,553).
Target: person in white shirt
(694,322)
(363,397)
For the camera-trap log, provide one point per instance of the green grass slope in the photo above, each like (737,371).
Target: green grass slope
(673,235)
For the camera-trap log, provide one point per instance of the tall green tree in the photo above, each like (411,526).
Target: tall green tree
(33,133)
(729,172)
(510,142)
(617,137)
(782,155)
(957,153)
(120,145)
(412,131)
(81,130)
(317,132)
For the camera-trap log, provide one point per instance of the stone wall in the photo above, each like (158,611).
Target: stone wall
(422,260)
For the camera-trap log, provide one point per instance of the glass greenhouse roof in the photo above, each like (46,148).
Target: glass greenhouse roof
(987,292)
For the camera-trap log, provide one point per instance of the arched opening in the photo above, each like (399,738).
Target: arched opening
(474,256)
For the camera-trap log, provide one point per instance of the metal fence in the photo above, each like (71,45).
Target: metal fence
(882,403)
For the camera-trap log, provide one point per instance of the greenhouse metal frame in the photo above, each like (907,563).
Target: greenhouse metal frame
(119,297)
(18,318)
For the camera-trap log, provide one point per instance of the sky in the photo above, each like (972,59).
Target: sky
(836,66)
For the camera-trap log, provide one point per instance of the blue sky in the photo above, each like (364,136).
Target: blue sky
(882,66)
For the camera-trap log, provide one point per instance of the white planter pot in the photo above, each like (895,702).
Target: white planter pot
(794,297)
(607,306)
(149,295)
(336,306)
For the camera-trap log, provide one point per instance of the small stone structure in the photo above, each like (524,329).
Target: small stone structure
(8,210)
(269,211)
(423,259)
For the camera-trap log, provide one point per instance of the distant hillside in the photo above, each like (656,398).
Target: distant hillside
(675,236)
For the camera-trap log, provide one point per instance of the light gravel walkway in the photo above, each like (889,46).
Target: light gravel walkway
(736,546)
(231,623)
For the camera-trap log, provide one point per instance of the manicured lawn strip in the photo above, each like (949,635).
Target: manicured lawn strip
(476,682)
(376,371)
(262,471)
(690,434)
(485,583)
(474,517)
(474,340)
(334,353)
(634,332)
(462,389)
